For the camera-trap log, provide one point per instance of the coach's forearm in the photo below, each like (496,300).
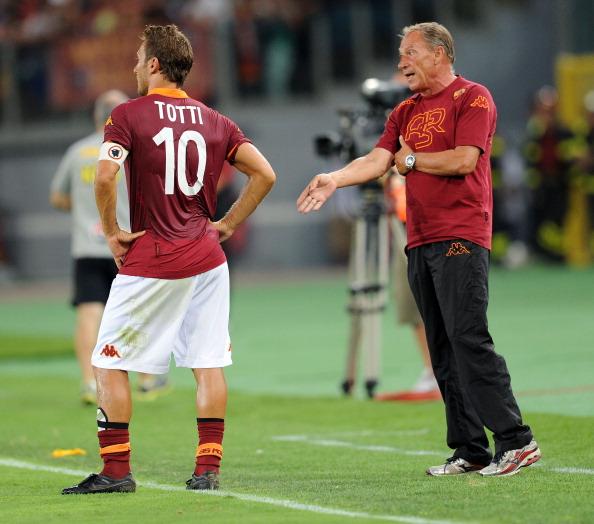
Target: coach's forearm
(106,195)
(363,169)
(453,162)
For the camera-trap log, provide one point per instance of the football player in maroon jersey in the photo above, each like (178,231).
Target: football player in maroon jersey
(171,295)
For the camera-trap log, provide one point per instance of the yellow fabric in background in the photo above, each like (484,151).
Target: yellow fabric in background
(575,78)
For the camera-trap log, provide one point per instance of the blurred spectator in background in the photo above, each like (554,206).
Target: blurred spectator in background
(500,225)
(407,312)
(247,49)
(271,45)
(51,44)
(276,19)
(548,157)
(94,268)
(510,203)
(31,25)
(200,20)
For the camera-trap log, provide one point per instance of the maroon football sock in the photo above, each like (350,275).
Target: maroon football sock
(210,449)
(114,447)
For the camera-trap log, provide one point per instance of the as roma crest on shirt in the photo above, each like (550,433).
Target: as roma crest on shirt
(115,152)
(459,93)
(480,101)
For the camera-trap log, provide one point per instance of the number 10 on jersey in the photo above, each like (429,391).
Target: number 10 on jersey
(166,135)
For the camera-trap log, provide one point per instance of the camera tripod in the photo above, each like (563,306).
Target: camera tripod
(368,277)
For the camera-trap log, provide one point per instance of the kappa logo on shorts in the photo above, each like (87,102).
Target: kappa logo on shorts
(457,248)
(110,351)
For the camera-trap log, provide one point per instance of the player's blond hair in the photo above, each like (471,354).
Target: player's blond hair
(435,35)
(172,48)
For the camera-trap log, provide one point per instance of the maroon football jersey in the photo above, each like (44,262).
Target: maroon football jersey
(177,147)
(445,207)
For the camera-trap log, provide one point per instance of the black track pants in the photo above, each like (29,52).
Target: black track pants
(449,281)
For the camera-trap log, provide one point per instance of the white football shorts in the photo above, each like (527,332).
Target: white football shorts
(148,319)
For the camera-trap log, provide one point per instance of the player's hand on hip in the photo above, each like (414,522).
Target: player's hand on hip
(224,228)
(120,243)
(316,193)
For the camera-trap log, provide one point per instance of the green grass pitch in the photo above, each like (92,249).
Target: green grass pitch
(295,451)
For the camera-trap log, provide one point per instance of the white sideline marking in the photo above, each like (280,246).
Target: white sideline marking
(370,432)
(583,471)
(289,504)
(350,445)
(388,449)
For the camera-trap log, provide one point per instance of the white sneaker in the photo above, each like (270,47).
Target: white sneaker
(426,382)
(88,393)
(153,387)
(453,466)
(510,462)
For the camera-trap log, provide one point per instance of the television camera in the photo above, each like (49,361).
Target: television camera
(358,132)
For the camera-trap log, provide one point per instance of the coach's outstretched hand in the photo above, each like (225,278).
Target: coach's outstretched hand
(120,244)
(316,193)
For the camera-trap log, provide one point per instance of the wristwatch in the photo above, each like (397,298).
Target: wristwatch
(409,161)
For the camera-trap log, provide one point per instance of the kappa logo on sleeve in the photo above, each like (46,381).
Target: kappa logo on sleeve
(481,101)
(116,152)
(109,122)
(110,351)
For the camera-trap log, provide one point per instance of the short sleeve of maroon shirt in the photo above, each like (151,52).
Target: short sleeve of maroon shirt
(447,207)
(177,148)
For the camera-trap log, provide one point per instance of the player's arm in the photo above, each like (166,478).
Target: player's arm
(261,178)
(118,240)
(460,161)
(60,201)
(106,195)
(60,188)
(363,169)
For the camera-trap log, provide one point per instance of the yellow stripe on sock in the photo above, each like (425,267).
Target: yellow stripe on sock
(115,448)
(209,449)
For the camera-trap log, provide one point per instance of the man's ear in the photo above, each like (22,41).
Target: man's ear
(439,54)
(154,65)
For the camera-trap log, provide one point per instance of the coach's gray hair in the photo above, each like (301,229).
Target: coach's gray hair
(435,35)
(106,103)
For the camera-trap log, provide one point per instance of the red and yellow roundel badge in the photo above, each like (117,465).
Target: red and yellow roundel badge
(115,152)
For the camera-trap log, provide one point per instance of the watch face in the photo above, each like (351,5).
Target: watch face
(409,161)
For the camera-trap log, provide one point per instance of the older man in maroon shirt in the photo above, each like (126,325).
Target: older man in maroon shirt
(441,139)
